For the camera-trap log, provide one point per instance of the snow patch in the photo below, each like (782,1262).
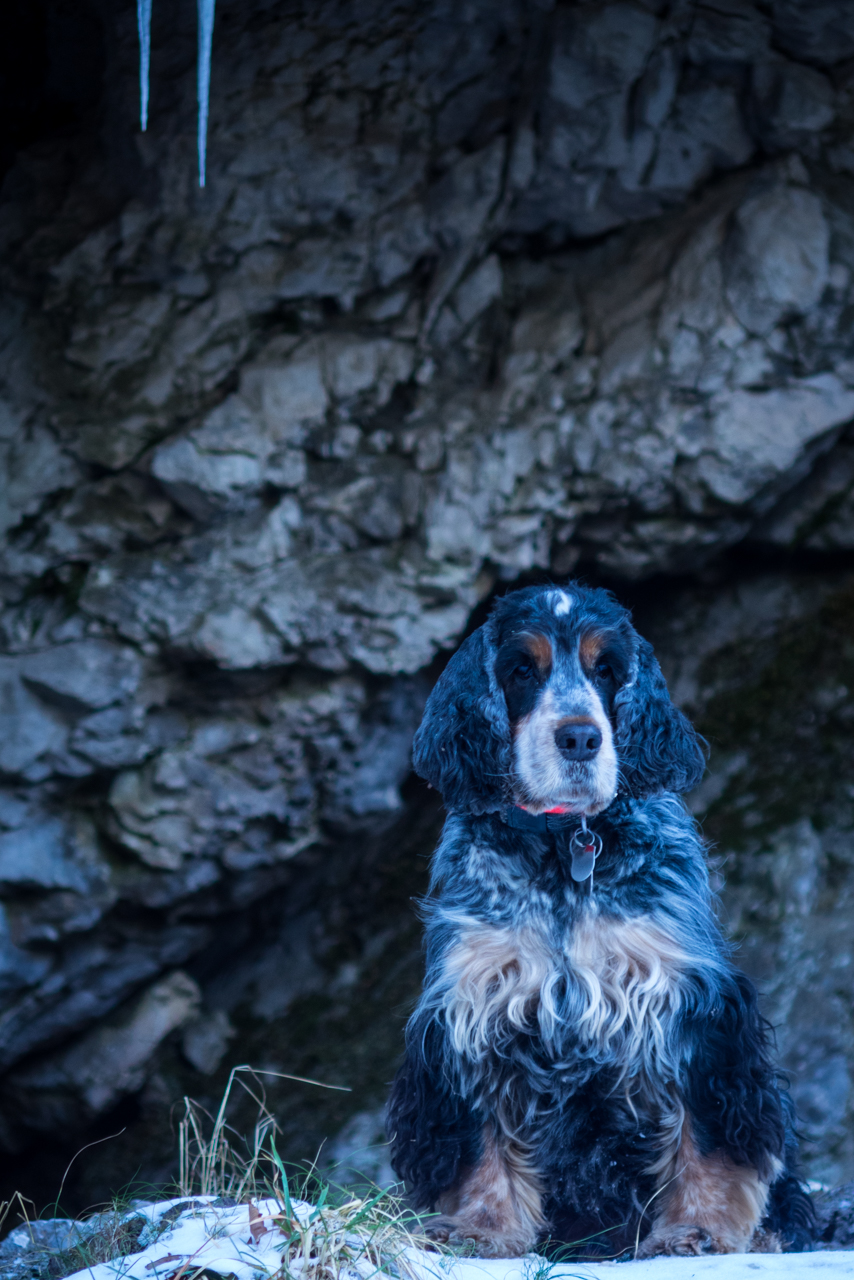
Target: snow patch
(246,1242)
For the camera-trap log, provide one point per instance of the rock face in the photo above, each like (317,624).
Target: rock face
(473,293)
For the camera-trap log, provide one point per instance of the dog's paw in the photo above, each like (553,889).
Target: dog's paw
(440,1229)
(447,1231)
(683,1241)
(765,1242)
(475,1241)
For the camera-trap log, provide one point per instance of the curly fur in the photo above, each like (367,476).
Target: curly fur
(657,747)
(597,1034)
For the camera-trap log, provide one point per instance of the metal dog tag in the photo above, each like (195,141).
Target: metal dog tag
(585,847)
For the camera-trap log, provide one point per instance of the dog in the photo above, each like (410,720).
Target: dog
(585,1066)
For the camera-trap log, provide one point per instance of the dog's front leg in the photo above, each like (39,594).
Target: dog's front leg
(714,1192)
(707,1204)
(497,1206)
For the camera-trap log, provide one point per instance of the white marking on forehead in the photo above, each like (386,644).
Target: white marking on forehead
(561,603)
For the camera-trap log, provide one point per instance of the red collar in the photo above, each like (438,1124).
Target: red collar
(561,808)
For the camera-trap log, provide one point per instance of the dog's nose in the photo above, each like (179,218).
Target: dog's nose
(578,741)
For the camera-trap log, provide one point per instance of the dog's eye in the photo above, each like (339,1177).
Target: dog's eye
(603,670)
(524,671)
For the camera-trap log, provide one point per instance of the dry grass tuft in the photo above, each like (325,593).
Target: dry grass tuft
(327,1232)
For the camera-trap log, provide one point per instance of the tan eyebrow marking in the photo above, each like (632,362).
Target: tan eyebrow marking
(540,649)
(591,645)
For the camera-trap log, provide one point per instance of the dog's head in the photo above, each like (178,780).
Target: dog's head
(555,702)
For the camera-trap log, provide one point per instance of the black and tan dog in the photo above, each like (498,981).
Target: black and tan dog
(585,1064)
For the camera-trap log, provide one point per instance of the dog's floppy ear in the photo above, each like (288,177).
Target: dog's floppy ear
(463,744)
(657,747)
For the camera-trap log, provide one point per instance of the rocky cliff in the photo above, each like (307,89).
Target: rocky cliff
(474,293)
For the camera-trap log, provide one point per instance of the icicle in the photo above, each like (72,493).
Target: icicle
(206,21)
(143,22)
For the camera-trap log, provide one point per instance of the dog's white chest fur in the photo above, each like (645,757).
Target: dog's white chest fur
(612,988)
